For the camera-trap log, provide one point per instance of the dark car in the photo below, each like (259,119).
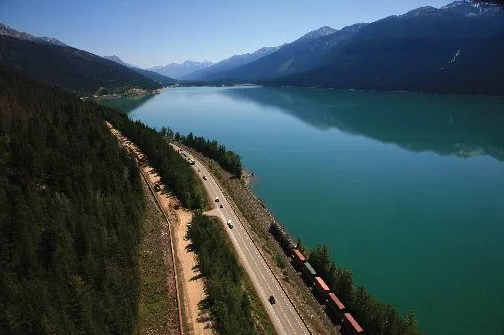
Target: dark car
(271,299)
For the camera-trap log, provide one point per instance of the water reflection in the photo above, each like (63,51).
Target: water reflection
(462,126)
(127,104)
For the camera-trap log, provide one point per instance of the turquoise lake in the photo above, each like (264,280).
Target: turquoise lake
(407,190)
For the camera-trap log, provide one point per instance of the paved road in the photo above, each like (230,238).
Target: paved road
(283,315)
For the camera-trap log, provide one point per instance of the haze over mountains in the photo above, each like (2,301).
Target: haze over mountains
(154,76)
(230,63)
(178,71)
(457,48)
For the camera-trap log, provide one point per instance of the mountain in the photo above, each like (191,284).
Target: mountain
(457,48)
(118,60)
(8,31)
(154,76)
(229,63)
(305,53)
(178,71)
(74,69)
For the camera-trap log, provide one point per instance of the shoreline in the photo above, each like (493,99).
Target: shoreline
(131,93)
(250,178)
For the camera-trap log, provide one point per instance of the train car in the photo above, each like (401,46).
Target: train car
(350,326)
(298,258)
(282,237)
(322,290)
(309,273)
(336,309)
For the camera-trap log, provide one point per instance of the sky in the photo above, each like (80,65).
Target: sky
(155,32)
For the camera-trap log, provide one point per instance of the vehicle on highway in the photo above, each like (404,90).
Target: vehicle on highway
(271,299)
(221,206)
(216,199)
(204,178)
(230,224)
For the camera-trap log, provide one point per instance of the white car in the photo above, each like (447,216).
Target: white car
(230,224)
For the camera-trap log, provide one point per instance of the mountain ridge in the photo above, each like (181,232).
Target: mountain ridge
(76,70)
(304,53)
(5,30)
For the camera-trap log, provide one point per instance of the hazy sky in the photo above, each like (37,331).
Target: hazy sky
(154,32)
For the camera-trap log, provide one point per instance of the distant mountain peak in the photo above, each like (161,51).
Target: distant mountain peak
(8,31)
(118,60)
(312,35)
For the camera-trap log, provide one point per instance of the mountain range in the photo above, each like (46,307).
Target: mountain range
(457,48)
(154,76)
(305,53)
(229,63)
(178,71)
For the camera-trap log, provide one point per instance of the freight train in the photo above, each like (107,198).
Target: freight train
(335,309)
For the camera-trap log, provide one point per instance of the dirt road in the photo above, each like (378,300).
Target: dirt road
(190,281)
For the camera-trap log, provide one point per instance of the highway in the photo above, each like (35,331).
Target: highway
(283,315)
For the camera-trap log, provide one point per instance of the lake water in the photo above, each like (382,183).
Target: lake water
(407,190)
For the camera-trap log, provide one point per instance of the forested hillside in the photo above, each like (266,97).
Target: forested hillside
(74,69)
(71,205)
(173,169)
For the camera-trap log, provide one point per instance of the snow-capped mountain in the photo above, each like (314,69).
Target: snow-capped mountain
(8,31)
(465,8)
(177,71)
(230,63)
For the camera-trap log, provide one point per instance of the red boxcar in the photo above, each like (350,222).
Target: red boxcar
(298,258)
(351,326)
(336,306)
